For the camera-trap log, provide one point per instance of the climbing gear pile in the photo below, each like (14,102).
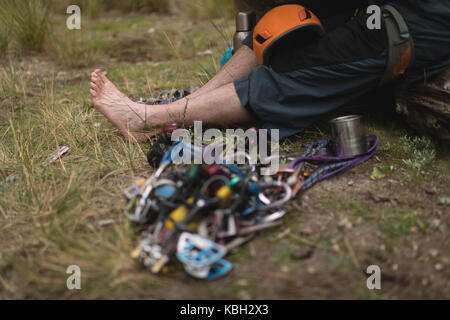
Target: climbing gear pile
(199,213)
(221,203)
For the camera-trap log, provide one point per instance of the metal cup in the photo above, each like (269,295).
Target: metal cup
(349,138)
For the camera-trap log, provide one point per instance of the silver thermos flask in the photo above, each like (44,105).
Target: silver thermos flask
(245,21)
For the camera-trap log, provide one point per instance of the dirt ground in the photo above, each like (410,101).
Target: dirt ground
(72,211)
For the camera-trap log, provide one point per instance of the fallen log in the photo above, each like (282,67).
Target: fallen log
(426,107)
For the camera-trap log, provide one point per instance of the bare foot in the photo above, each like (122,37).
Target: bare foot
(126,115)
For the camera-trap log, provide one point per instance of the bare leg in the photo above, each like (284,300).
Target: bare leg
(240,64)
(219,106)
(215,108)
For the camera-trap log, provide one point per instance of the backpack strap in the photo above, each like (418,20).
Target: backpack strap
(401,50)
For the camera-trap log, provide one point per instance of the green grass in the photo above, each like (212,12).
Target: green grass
(207,9)
(282,255)
(4,41)
(53,210)
(72,49)
(158,6)
(57,203)
(198,9)
(36,26)
(29,22)
(12,85)
(422,150)
(96,8)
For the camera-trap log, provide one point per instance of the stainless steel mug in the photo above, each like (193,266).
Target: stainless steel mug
(349,138)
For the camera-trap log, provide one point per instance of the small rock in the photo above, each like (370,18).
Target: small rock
(434,253)
(425,282)
(435,223)
(302,252)
(378,197)
(311,270)
(285,269)
(345,223)
(336,247)
(243,283)
(64,101)
(306,230)
(395,267)
(444,201)
(104,223)
(244,295)
(66,76)
(151,30)
(12,179)
(438,266)
(351,182)
(205,53)
(62,75)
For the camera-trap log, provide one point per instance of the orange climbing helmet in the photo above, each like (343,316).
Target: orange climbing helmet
(278,23)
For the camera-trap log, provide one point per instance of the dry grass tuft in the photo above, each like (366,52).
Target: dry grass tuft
(29,22)
(72,49)
(208,9)
(13,82)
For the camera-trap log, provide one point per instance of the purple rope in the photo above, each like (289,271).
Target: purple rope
(329,159)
